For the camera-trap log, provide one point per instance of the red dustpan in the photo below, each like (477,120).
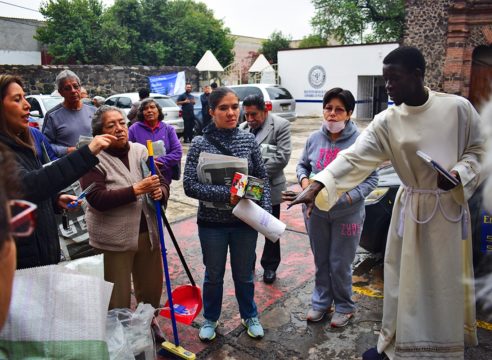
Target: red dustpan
(187,299)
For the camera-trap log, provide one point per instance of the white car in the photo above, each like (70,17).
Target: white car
(278,99)
(40,105)
(171,111)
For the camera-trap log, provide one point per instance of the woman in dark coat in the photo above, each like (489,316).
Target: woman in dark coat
(40,185)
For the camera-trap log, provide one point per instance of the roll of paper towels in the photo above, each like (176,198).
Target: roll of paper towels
(259,219)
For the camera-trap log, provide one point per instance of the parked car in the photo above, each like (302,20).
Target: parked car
(172,112)
(379,206)
(278,99)
(40,105)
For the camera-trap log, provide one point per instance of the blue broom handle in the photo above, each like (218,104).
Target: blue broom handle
(164,257)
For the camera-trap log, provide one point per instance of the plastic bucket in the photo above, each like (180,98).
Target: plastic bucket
(187,301)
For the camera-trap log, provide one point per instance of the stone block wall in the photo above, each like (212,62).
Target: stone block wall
(447,32)
(103,80)
(426,27)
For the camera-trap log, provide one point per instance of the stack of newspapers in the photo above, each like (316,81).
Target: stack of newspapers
(219,169)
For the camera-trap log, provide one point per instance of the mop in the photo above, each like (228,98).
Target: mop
(173,349)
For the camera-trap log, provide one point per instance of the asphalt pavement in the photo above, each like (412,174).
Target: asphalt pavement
(282,306)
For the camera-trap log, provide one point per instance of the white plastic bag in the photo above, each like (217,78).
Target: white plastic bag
(118,346)
(129,333)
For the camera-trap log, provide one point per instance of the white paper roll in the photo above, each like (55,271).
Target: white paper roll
(259,219)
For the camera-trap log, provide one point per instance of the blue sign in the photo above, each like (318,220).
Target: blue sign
(163,84)
(486,233)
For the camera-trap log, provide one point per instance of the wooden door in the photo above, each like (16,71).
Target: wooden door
(481,77)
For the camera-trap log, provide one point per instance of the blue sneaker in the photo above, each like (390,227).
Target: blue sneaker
(207,331)
(255,330)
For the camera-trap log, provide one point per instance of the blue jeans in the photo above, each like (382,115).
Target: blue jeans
(242,244)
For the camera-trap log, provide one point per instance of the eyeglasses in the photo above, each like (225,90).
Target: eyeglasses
(338,110)
(70,87)
(23,217)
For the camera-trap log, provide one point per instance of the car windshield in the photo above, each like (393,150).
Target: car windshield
(244,91)
(278,93)
(165,102)
(51,102)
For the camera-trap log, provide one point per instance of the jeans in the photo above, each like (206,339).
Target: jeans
(242,244)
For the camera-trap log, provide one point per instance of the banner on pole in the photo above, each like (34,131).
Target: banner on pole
(168,84)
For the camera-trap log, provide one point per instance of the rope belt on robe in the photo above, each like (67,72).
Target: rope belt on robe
(407,202)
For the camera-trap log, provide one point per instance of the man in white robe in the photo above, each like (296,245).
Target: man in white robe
(428,309)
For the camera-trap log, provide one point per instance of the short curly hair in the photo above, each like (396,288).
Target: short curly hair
(143,104)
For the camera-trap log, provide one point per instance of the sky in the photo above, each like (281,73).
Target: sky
(256,18)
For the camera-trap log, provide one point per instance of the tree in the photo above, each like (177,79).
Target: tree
(312,41)
(273,44)
(142,32)
(192,29)
(72,30)
(352,21)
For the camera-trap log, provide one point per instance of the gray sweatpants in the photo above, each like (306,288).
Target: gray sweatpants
(333,243)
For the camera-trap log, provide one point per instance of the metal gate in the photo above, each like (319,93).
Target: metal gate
(371,97)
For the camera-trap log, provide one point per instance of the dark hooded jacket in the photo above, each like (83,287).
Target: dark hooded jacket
(41,186)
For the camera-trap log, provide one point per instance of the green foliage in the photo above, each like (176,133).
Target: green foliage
(146,32)
(312,41)
(359,21)
(273,44)
(72,30)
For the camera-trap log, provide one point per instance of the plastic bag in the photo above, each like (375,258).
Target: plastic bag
(118,346)
(129,333)
(92,265)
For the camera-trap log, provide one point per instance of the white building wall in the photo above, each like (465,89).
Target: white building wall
(340,64)
(14,57)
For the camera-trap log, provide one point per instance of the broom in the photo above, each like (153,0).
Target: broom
(173,349)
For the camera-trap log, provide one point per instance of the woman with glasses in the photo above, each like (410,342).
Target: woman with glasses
(40,185)
(149,126)
(334,234)
(218,229)
(120,217)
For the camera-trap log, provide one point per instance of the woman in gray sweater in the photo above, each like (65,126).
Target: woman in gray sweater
(218,229)
(334,234)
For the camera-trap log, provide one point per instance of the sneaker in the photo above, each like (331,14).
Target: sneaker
(340,319)
(255,330)
(207,331)
(372,354)
(315,315)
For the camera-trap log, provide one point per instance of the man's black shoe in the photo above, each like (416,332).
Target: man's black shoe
(372,354)
(269,276)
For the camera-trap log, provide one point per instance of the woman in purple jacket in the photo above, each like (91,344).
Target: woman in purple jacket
(149,126)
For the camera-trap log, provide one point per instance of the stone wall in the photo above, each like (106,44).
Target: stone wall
(426,27)
(447,32)
(103,80)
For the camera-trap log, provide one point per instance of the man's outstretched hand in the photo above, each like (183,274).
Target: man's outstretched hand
(307,197)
